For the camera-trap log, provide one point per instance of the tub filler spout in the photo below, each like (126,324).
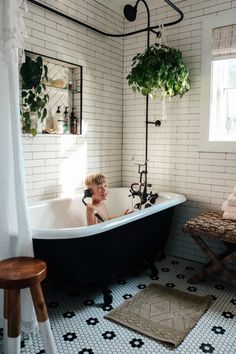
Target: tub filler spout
(140,189)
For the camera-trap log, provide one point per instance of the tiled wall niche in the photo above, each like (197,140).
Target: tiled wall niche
(63,86)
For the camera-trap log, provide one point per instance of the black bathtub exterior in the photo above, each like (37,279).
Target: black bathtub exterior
(98,259)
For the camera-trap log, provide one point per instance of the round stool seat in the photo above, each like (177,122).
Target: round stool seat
(21,272)
(15,274)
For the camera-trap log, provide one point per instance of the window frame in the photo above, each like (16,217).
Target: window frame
(208,24)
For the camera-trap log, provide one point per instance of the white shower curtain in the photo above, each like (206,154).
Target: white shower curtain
(15,232)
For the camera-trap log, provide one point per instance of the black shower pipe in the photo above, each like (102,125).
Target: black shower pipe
(147,100)
(72,19)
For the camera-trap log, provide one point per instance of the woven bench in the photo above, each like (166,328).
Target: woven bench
(211,225)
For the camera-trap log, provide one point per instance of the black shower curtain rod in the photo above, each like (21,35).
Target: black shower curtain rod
(151,28)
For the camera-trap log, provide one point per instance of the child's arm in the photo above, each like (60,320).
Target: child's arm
(90,214)
(127,211)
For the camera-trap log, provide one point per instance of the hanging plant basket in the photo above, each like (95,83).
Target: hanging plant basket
(159,68)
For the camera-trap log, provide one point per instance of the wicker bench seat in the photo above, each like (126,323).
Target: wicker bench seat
(211,225)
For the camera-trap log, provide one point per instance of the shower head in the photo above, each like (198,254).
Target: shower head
(87,194)
(130,12)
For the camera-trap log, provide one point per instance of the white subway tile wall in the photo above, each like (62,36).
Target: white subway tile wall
(114,117)
(175,162)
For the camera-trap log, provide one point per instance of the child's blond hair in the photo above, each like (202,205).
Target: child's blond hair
(96,178)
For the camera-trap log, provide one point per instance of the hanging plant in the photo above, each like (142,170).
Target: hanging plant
(34,96)
(159,67)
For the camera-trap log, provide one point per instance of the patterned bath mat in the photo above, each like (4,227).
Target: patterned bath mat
(164,314)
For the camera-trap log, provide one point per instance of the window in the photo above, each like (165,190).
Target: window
(223,101)
(218,84)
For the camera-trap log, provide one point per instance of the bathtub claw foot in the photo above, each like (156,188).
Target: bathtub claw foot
(161,256)
(154,270)
(107,297)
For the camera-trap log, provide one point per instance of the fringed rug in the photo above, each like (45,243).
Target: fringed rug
(164,314)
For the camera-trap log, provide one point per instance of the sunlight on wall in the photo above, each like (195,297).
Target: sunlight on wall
(84,128)
(73,168)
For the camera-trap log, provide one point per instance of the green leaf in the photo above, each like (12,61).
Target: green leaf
(144,91)
(44,114)
(39,89)
(45,72)
(24,93)
(39,60)
(26,115)
(33,131)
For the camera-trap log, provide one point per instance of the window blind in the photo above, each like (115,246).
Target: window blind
(224,41)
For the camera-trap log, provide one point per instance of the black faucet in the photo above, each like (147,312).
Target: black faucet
(141,190)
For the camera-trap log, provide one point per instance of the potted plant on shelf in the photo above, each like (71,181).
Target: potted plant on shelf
(34,95)
(159,67)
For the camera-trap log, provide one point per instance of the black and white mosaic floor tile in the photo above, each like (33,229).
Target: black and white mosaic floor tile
(79,327)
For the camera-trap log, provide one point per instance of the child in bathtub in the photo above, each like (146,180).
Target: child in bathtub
(97,183)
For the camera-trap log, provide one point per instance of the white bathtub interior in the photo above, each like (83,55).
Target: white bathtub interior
(70,213)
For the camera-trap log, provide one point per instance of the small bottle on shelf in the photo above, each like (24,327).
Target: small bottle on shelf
(66,121)
(60,121)
(56,118)
(73,123)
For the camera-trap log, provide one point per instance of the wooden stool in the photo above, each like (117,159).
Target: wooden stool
(16,274)
(212,226)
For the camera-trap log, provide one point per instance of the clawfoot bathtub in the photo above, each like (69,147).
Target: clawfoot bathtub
(77,253)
